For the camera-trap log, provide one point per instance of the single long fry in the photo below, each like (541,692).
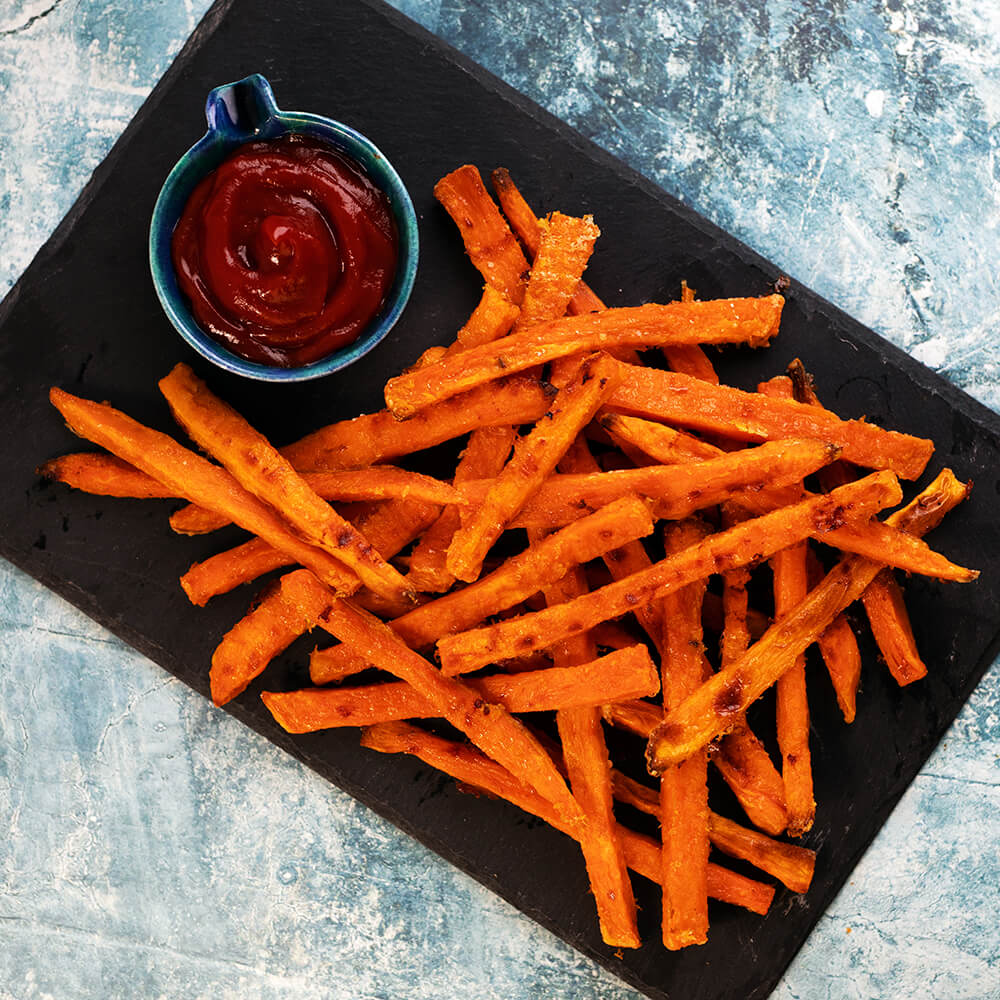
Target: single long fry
(193,477)
(663,444)
(709,712)
(738,546)
(751,321)
(684,789)
(106,475)
(680,490)
(379,437)
(517,579)
(890,624)
(748,416)
(248,647)
(491,319)
(793,866)
(492,728)
(585,758)
(624,674)
(389,528)
(380,482)
(473,769)
(566,245)
(484,457)
(791,584)
(535,457)
(488,240)
(262,470)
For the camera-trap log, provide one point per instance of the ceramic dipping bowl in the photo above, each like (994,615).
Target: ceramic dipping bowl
(242,112)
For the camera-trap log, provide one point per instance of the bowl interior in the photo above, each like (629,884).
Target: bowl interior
(204,157)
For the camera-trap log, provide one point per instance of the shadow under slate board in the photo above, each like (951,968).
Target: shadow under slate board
(85,317)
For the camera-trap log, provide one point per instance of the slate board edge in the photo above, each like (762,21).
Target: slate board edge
(890,354)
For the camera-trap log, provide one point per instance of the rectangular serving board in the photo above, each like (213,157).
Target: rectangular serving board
(84,317)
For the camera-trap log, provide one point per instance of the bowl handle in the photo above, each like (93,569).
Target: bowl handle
(241,110)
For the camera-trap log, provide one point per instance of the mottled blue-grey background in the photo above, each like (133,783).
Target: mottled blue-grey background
(152,847)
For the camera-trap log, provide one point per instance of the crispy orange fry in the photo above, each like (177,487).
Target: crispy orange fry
(627,673)
(255,640)
(739,545)
(710,710)
(793,866)
(684,788)
(491,319)
(791,584)
(379,437)
(93,472)
(752,321)
(890,624)
(529,231)
(661,443)
(642,854)
(262,470)
(491,727)
(585,758)
(194,478)
(518,578)
(484,457)
(389,528)
(535,457)
(677,491)
(566,245)
(380,482)
(748,416)
(488,240)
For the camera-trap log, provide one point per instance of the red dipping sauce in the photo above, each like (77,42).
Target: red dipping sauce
(286,251)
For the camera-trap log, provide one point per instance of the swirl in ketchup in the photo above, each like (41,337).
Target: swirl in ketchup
(286,251)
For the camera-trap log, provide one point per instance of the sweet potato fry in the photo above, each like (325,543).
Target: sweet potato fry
(473,769)
(677,491)
(491,727)
(793,866)
(491,319)
(752,321)
(566,245)
(688,402)
(93,472)
(262,470)
(684,788)
(791,585)
(529,231)
(709,711)
(627,673)
(518,578)
(488,240)
(379,482)
(389,528)
(585,758)
(663,444)
(379,437)
(738,546)
(484,457)
(535,457)
(890,624)
(255,640)
(196,479)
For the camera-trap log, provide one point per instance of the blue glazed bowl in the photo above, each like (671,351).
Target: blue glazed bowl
(242,112)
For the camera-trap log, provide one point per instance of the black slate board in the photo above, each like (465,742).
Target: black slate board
(84,317)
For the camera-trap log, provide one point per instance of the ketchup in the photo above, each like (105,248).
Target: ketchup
(286,251)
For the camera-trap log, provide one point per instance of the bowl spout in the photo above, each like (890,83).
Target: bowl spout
(241,110)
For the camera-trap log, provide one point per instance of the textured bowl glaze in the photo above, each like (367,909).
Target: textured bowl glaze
(242,112)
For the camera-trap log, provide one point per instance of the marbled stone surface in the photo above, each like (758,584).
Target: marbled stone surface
(156,848)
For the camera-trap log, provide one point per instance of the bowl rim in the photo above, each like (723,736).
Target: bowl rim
(203,157)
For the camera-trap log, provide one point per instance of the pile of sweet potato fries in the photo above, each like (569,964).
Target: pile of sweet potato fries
(635,486)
